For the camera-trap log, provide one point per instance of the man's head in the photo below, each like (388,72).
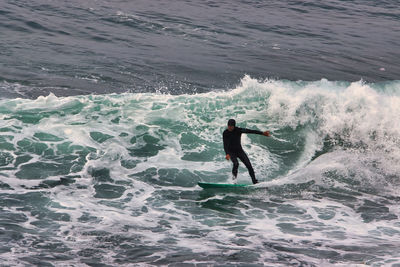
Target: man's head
(231,125)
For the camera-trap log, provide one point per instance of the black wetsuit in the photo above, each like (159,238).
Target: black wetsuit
(233,147)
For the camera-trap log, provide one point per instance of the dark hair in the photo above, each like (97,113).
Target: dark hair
(231,122)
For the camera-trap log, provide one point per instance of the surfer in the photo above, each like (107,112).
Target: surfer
(233,148)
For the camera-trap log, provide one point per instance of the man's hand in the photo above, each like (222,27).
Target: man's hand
(266,133)
(228,157)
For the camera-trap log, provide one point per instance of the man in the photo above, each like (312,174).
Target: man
(233,148)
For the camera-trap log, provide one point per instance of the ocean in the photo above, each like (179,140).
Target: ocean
(111,112)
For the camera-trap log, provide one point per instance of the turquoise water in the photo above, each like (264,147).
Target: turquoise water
(106,180)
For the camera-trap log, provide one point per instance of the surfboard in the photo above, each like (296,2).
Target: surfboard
(214,185)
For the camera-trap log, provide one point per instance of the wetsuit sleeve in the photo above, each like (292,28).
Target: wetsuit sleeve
(225,139)
(244,130)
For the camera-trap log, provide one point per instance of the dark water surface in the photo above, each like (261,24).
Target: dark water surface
(80,47)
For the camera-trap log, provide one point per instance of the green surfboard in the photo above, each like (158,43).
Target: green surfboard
(214,185)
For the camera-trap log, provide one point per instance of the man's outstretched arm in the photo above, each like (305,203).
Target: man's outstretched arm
(249,131)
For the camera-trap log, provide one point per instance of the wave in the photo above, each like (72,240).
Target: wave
(325,131)
(351,128)
(118,174)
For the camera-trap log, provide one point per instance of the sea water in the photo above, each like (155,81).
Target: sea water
(112,179)
(111,113)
